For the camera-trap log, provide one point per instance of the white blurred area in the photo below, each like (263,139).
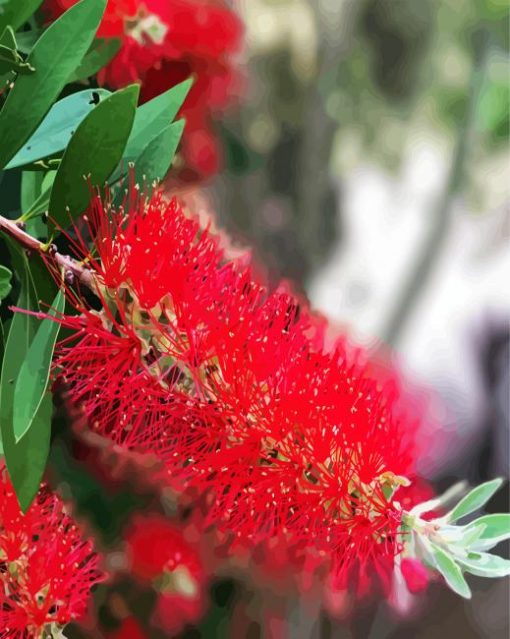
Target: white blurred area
(385,221)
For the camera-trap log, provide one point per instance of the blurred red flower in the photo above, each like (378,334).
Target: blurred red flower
(164,42)
(159,553)
(46,568)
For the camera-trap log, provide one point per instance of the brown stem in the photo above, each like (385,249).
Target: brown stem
(64,262)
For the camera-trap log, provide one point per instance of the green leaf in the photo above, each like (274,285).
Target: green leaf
(483,564)
(12,62)
(100,53)
(55,131)
(25,460)
(472,534)
(55,55)
(31,182)
(451,572)
(93,152)
(5,282)
(34,373)
(16,12)
(497,529)
(42,202)
(475,499)
(152,117)
(154,162)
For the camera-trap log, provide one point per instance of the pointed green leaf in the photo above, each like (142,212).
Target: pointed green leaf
(475,499)
(55,55)
(5,282)
(98,56)
(497,529)
(92,154)
(472,534)
(16,12)
(451,572)
(152,117)
(55,131)
(33,376)
(483,564)
(26,459)
(157,158)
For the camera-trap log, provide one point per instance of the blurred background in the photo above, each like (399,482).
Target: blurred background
(368,162)
(365,158)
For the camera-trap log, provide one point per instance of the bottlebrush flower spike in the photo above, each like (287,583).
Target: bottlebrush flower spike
(194,360)
(46,568)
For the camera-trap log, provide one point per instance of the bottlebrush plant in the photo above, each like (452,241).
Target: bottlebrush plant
(271,435)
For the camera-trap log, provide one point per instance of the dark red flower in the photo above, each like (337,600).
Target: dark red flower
(164,42)
(46,568)
(195,361)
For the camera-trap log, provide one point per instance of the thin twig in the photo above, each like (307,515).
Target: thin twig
(64,262)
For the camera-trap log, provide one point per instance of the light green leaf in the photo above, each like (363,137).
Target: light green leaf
(55,131)
(483,564)
(33,376)
(151,118)
(5,282)
(451,572)
(92,154)
(16,12)
(497,529)
(474,500)
(98,56)
(55,55)
(472,534)
(154,162)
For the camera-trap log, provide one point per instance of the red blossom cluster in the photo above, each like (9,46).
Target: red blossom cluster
(46,568)
(164,42)
(231,385)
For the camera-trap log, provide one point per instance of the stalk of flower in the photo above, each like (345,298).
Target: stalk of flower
(47,568)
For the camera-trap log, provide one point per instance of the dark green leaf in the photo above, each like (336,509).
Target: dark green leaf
(16,12)
(452,574)
(155,161)
(33,376)
(475,499)
(26,459)
(41,203)
(31,183)
(100,53)
(11,61)
(55,131)
(92,154)
(5,282)
(152,117)
(55,55)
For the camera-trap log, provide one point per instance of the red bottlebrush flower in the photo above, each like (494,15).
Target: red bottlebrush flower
(46,568)
(164,42)
(159,553)
(195,361)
